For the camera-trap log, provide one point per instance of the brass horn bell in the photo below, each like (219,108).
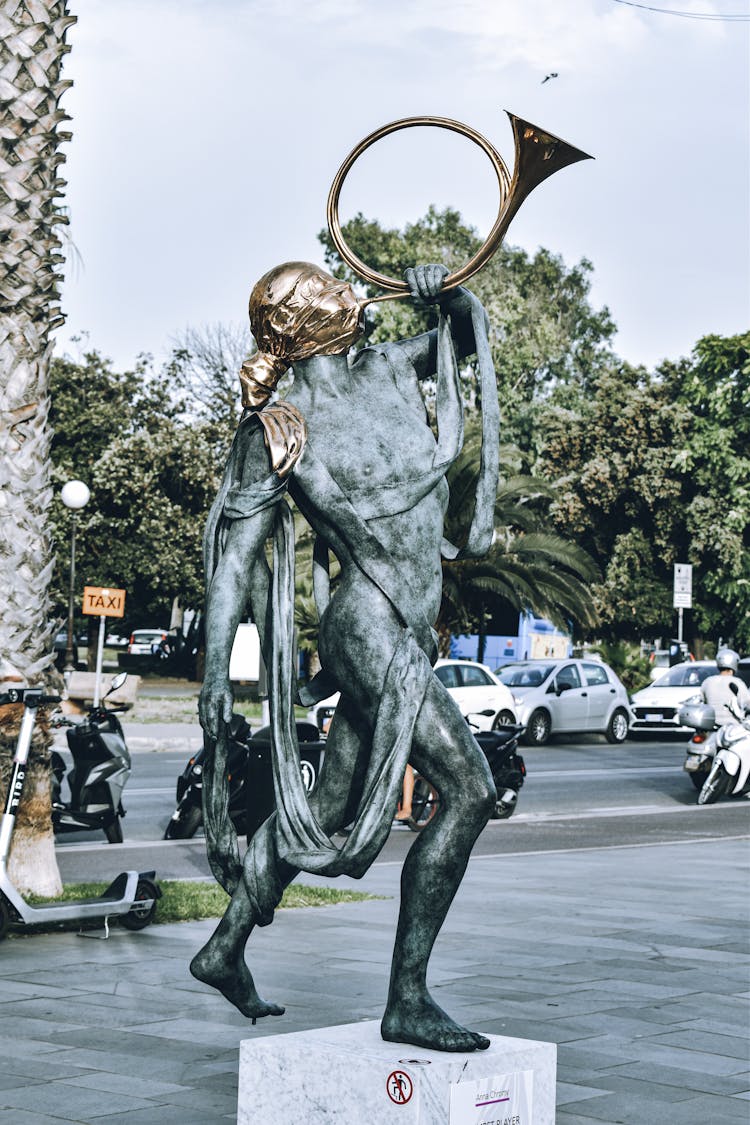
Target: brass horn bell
(538,154)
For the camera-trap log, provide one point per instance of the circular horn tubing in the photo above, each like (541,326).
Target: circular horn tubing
(390,283)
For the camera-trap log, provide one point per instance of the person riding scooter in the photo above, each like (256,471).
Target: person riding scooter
(726,692)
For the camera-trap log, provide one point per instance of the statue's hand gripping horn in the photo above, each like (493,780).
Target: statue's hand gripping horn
(538,155)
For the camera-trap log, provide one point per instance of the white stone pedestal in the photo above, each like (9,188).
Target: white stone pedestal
(348,1075)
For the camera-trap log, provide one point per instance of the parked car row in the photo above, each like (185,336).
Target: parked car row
(572,696)
(546,696)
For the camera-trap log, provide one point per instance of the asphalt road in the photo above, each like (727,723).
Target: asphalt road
(579,794)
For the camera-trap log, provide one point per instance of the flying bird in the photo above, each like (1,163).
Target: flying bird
(552,75)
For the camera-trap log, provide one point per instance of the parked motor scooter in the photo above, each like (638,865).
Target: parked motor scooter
(100,770)
(132,896)
(508,769)
(251,794)
(723,762)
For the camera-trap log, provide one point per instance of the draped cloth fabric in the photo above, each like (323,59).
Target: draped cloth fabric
(297,837)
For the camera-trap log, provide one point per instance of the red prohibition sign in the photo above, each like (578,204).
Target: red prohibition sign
(399,1086)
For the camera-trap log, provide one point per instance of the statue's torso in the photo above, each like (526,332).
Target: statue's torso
(375,446)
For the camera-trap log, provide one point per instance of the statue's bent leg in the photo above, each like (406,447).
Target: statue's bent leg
(221,961)
(445,751)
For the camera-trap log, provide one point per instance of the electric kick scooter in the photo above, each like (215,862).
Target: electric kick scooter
(132,897)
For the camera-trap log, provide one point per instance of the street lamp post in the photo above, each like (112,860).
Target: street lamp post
(74,495)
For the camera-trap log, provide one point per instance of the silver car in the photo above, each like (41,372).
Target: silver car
(567,697)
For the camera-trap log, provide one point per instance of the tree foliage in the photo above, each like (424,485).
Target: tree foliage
(544,330)
(152,474)
(652,469)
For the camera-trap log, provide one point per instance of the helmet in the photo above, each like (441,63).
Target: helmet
(727,658)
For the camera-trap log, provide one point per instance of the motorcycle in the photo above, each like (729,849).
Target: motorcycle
(100,770)
(508,769)
(251,795)
(718,758)
(701,748)
(730,773)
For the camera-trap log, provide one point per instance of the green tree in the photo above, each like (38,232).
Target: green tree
(153,473)
(652,469)
(544,330)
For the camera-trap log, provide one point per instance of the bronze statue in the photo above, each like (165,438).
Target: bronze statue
(352,446)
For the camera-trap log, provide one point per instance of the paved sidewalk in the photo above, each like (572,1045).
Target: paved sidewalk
(634,960)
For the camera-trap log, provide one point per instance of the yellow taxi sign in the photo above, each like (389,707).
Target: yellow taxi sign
(103,601)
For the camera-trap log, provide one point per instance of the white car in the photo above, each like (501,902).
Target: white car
(567,697)
(142,641)
(474,687)
(655,707)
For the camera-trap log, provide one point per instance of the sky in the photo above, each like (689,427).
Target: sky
(206,135)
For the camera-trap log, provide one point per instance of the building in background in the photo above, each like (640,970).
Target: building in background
(535,638)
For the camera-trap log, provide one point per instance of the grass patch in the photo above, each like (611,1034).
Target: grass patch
(193,901)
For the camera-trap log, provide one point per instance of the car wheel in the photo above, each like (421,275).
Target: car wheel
(504,719)
(538,728)
(617,728)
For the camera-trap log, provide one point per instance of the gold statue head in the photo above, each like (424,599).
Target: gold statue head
(296,310)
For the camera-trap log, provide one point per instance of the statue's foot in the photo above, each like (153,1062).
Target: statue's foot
(233,981)
(420,1021)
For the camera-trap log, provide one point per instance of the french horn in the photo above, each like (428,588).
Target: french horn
(538,155)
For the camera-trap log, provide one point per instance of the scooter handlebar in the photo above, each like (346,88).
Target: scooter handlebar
(31,697)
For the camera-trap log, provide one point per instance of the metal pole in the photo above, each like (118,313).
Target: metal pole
(99,661)
(679,624)
(69,653)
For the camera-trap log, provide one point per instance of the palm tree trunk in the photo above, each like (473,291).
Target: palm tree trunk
(31,55)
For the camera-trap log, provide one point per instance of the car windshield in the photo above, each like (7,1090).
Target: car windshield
(687,676)
(524,675)
(143,636)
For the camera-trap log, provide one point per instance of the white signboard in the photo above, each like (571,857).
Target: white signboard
(683,586)
(503,1099)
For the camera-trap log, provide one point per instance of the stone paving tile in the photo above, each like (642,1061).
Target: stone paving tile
(10,1081)
(161,1114)
(29,1066)
(626,1084)
(191,1031)
(166,1068)
(25,1117)
(51,1098)
(649,1051)
(684,1078)
(635,1110)
(124,1084)
(569,1092)
(10,1046)
(724,1045)
(564,1118)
